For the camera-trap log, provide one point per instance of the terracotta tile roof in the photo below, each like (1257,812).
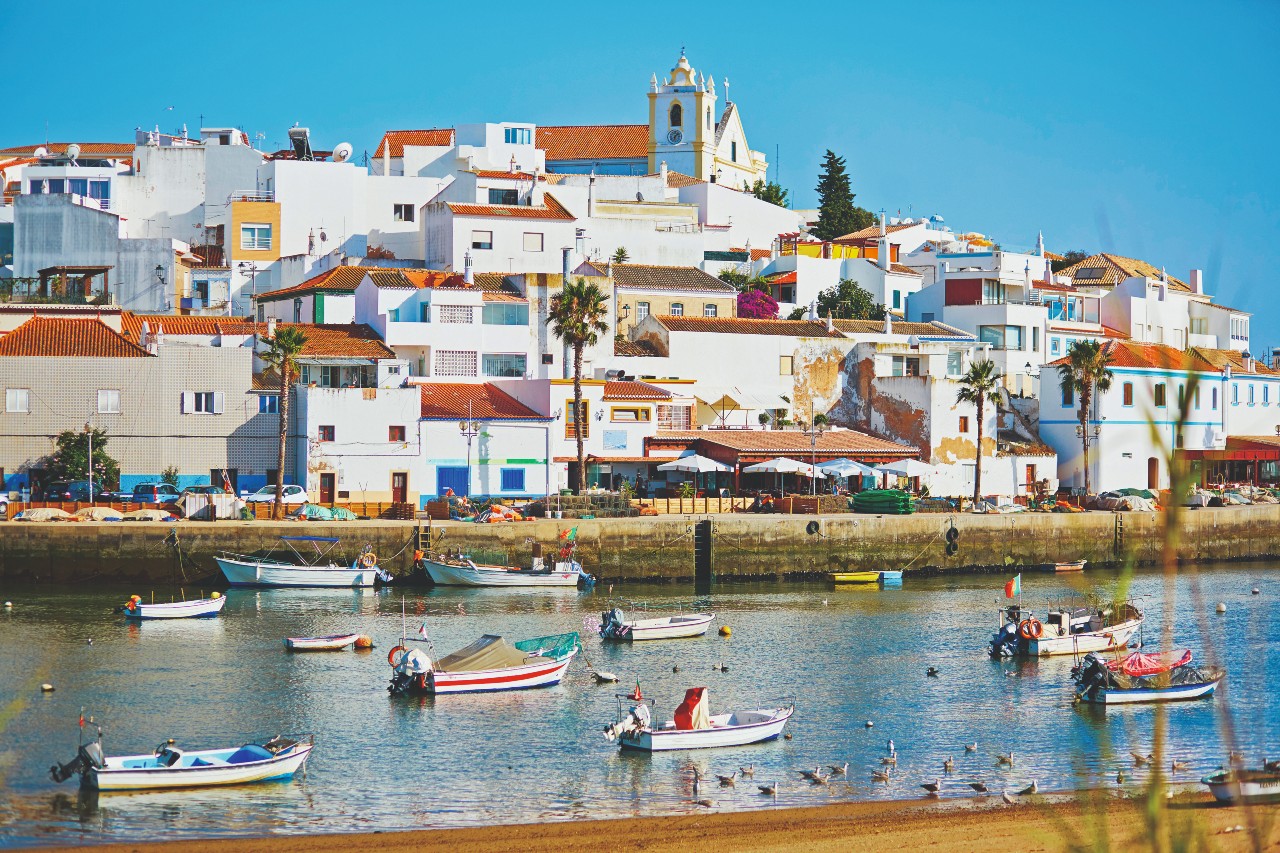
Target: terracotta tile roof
(1108,270)
(448,401)
(624,347)
(1222,307)
(99,149)
(591,269)
(494,282)
(398,139)
(756,254)
(1220,358)
(594,141)
(784,278)
(267,380)
(676,180)
(903,269)
(336,280)
(342,340)
(872,231)
(647,277)
(901,327)
(845,442)
(179,324)
(1128,353)
(632,390)
(64,336)
(499,296)
(551,209)
(499,175)
(1235,442)
(1054,286)
(740,326)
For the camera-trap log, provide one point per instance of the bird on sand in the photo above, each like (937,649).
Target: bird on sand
(1008,800)
(932,787)
(1033,788)
(980,787)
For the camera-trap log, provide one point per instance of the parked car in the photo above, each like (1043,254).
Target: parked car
(204,489)
(267,495)
(73,490)
(154,493)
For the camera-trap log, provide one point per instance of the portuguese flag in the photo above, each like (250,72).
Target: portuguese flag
(1014,587)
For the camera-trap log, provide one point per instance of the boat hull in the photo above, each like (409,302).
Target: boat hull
(667,740)
(203,609)
(674,628)
(320,644)
(526,677)
(1135,696)
(1070,566)
(856,577)
(115,777)
(445,574)
(1249,786)
(1117,636)
(251,573)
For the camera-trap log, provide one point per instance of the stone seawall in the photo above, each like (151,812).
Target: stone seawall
(744,546)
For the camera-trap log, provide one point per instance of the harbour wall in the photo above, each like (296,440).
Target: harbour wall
(652,549)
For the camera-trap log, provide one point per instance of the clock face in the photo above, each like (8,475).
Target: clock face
(674,136)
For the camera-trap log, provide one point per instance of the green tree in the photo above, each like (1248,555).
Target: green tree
(1085,370)
(70,459)
(837,214)
(170,475)
(844,301)
(1071,258)
(577,316)
(620,255)
(282,353)
(743,282)
(770,192)
(980,385)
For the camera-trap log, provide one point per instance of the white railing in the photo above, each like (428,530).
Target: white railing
(251,195)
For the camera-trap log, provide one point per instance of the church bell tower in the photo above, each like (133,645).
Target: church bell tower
(682,121)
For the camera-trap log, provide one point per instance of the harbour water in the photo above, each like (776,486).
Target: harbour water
(849,655)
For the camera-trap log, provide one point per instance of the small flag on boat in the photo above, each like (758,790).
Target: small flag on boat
(422,631)
(573,534)
(636,695)
(1013,587)
(82,718)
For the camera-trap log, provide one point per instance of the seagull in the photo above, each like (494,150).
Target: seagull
(726,781)
(1005,759)
(719,667)
(868,724)
(604,677)
(1141,760)
(705,803)
(1120,778)
(839,769)
(1033,788)
(1009,801)
(747,772)
(675,668)
(891,760)
(971,747)
(1177,765)
(811,774)
(980,787)
(819,779)
(949,764)
(879,775)
(932,672)
(892,751)
(932,787)
(769,790)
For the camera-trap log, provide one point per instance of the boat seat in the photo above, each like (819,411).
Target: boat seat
(248,752)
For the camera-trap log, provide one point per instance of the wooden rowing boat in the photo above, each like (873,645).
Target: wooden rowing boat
(332,643)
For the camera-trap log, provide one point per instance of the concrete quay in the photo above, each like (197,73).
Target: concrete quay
(654,548)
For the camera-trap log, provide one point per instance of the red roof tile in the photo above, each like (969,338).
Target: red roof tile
(339,340)
(653,277)
(449,401)
(784,278)
(336,280)
(872,231)
(740,326)
(398,139)
(552,209)
(500,175)
(62,336)
(179,324)
(1107,270)
(845,442)
(99,149)
(594,141)
(903,269)
(1128,353)
(631,390)
(624,347)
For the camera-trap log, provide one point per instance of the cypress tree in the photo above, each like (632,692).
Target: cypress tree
(837,214)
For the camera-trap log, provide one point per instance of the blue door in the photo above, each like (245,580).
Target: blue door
(452,478)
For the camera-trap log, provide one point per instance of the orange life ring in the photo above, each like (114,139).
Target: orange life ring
(1036,629)
(368,560)
(1024,629)
(392,657)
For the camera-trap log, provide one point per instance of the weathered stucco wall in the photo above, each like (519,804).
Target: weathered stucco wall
(661,548)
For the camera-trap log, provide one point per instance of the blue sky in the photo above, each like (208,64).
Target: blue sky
(1138,128)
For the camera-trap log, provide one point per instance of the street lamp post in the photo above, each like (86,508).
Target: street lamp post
(88,430)
(469,428)
(1083,433)
(813,431)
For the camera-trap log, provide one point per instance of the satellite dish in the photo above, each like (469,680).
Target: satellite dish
(41,152)
(342,152)
(73,151)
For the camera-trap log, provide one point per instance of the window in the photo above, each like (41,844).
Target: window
(676,115)
(677,309)
(630,414)
(1035,339)
(393,370)
(955,363)
(533,241)
(1182,397)
(508,197)
(548,358)
(1196,397)
(1055,346)
(928,317)
(517,135)
(733,150)
(108,402)
(255,237)
(505,314)
(1213,399)
(1235,393)
(297,310)
(203,402)
(1265,389)
(455,314)
(1180,440)
(569,419)
(906,365)
(395,433)
(708,118)
(1001,337)
(327,433)
(17,400)
(512,479)
(1250,393)
(1128,393)
(1199,325)
(482,239)
(785,364)
(402,212)
(455,363)
(504,365)
(1068,395)
(268,404)
(642,311)
(78,186)
(964,423)
(674,417)
(709,310)
(897,299)
(1159,393)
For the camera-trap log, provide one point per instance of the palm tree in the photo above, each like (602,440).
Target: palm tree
(576,316)
(282,353)
(1085,370)
(981,385)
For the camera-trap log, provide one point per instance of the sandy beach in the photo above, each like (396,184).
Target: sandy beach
(977,825)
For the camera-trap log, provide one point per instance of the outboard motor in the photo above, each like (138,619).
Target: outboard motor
(412,667)
(89,755)
(1004,643)
(1091,675)
(612,624)
(636,720)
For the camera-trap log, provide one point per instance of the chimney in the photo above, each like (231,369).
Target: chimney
(831,327)
(157,340)
(888,322)
(662,172)
(535,194)
(812,313)
(566,262)
(1197,281)
(882,215)
(580,242)
(608,268)
(386,156)
(512,167)
(468,276)
(591,195)
(1275,358)
(271,327)
(882,252)
(1026,279)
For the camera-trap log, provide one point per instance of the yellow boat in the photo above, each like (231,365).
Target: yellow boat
(855,577)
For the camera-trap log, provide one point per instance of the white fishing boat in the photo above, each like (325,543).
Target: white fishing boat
(615,626)
(171,767)
(200,608)
(332,643)
(1144,678)
(490,664)
(1247,786)
(309,570)
(1066,630)
(458,569)
(694,727)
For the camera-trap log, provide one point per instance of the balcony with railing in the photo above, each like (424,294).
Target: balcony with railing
(251,196)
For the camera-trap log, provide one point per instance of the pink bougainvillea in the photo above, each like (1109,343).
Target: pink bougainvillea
(757,305)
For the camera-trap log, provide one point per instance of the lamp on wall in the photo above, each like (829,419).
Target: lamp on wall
(599,414)
(624,312)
